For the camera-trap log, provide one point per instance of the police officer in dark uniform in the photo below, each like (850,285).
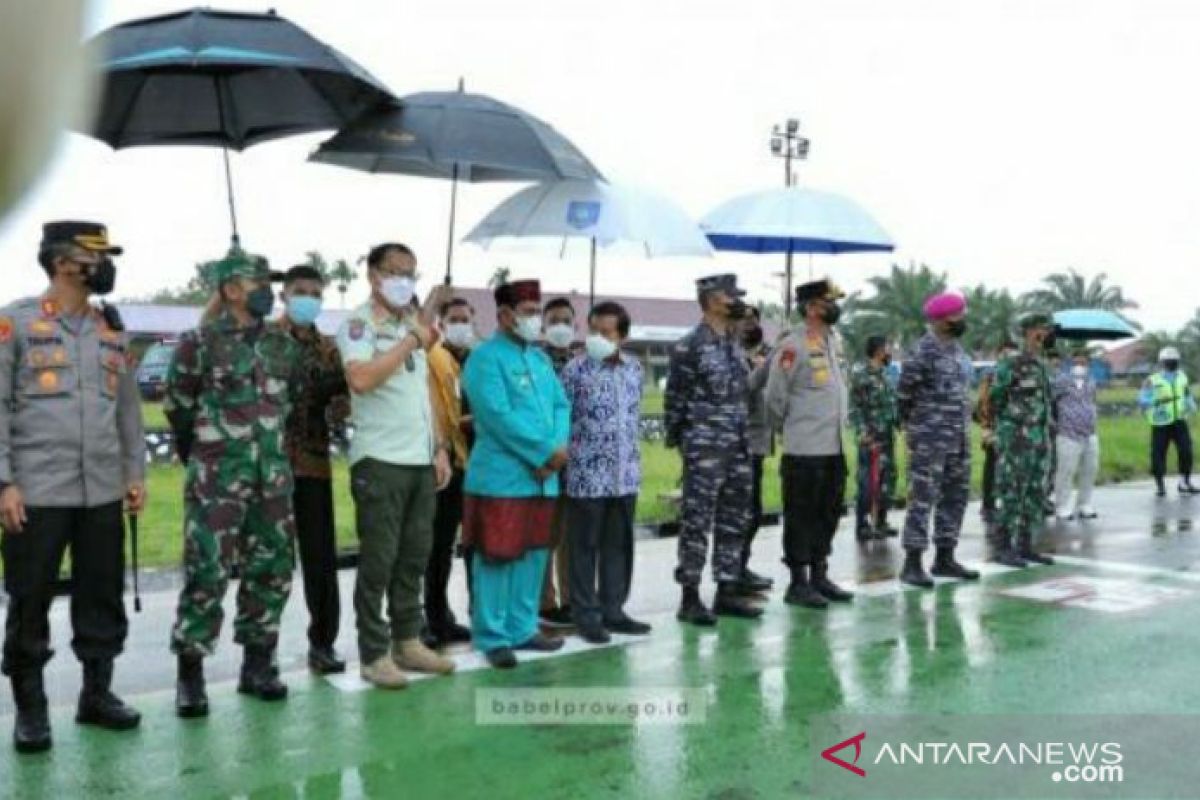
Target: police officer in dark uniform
(706,418)
(72,451)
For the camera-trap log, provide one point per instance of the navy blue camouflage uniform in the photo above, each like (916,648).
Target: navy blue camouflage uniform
(935,409)
(706,418)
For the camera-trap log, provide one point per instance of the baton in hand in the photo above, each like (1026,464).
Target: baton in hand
(133,546)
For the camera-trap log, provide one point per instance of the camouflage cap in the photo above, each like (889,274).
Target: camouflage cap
(240,264)
(1035,319)
(720,283)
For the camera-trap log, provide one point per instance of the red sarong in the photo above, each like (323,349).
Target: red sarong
(505,528)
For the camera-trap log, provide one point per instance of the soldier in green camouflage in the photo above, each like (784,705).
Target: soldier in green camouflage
(1020,400)
(228,393)
(874,417)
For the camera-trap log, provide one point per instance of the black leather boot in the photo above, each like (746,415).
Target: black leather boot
(945,565)
(913,573)
(191,700)
(98,705)
(801,591)
(260,676)
(31,731)
(729,602)
(1026,552)
(827,588)
(693,610)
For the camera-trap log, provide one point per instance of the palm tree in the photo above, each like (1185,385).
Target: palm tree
(499,277)
(1070,289)
(899,300)
(342,275)
(993,318)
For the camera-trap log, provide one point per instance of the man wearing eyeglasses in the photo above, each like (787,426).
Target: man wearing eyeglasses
(398,463)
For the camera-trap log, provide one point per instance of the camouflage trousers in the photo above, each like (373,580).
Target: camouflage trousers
(718,487)
(876,479)
(224,522)
(1020,488)
(939,483)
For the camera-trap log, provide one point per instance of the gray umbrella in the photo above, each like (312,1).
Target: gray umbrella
(456,136)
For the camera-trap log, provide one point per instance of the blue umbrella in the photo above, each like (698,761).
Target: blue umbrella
(794,220)
(1092,323)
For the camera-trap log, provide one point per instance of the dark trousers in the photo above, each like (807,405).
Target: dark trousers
(32,559)
(317,536)
(814,489)
(446,522)
(1161,437)
(756,505)
(600,545)
(989,478)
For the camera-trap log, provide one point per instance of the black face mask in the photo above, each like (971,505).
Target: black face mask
(260,302)
(887,360)
(101,278)
(752,337)
(1171,365)
(957,328)
(1049,342)
(831,313)
(738,310)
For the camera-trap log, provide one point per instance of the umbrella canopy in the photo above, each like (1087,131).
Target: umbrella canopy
(223,79)
(604,214)
(456,136)
(1092,324)
(795,220)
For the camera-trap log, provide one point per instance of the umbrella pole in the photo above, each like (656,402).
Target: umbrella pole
(229,193)
(592,285)
(453,210)
(787,297)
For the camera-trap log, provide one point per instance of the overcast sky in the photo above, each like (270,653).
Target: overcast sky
(998,140)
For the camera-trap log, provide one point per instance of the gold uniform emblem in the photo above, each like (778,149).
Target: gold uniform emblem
(48,380)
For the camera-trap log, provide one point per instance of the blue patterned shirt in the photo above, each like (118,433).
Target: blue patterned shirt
(606,401)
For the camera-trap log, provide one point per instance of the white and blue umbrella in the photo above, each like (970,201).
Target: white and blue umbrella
(603,214)
(1083,324)
(794,220)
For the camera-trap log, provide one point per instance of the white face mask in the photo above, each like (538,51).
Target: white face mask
(460,334)
(1079,371)
(530,328)
(599,348)
(397,291)
(560,335)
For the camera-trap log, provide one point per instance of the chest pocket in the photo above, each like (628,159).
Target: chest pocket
(948,378)
(716,373)
(274,360)
(231,370)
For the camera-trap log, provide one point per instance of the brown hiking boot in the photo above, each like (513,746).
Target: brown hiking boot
(384,674)
(414,656)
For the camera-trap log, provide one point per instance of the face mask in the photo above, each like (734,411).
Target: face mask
(738,309)
(1079,371)
(752,337)
(560,335)
(1049,342)
(831,313)
(260,302)
(460,334)
(887,361)
(599,348)
(102,277)
(1171,365)
(530,328)
(303,310)
(397,291)
(956,328)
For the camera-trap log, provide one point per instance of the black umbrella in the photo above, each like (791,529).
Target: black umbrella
(224,79)
(456,136)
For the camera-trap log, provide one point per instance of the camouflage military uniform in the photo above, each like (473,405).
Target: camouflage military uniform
(228,392)
(873,414)
(935,409)
(1021,399)
(705,407)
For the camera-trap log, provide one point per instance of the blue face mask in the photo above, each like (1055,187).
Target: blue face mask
(303,310)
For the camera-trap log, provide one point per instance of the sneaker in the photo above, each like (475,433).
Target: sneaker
(414,656)
(382,673)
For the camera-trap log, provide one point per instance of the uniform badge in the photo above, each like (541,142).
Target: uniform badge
(357,329)
(49,308)
(60,357)
(37,358)
(41,327)
(6,330)
(48,380)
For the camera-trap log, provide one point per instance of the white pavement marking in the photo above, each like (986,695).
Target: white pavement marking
(1130,569)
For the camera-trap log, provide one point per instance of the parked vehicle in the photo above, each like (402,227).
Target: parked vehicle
(152,372)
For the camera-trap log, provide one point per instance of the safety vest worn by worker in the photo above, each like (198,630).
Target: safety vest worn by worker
(1170,399)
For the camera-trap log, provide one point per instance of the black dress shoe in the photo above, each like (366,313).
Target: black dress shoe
(502,658)
(324,661)
(541,643)
(559,618)
(191,700)
(913,573)
(98,705)
(594,634)
(693,610)
(627,625)
(730,603)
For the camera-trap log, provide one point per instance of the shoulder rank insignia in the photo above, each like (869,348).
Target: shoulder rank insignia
(6,330)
